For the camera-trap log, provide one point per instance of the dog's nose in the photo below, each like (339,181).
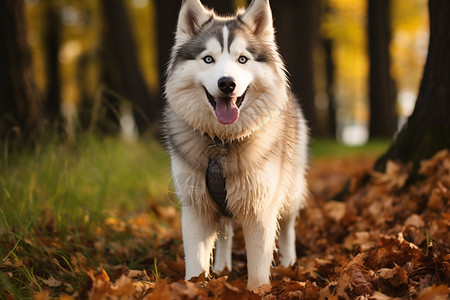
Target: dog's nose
(226,85)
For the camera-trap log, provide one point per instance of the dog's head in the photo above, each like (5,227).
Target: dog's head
(226,77)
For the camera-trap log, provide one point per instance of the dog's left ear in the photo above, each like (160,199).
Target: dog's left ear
(191,18)
(259,17)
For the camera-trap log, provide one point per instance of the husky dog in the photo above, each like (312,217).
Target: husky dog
(237,139)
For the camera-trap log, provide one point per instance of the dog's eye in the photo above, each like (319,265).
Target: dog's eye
(208,59)
(242,59)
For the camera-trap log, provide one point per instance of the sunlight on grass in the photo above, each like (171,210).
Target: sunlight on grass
(83,181)
(320,148)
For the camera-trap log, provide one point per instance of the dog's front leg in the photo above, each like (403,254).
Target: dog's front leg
(260,242)
(198,241)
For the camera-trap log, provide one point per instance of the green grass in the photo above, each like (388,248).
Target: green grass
(81,181)
(320,148)
(56,202)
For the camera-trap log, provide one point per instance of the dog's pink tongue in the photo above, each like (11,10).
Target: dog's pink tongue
(227,111)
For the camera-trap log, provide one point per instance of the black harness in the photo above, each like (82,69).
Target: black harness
(215,182)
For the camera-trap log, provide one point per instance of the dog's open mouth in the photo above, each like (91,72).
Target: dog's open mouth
(226,107)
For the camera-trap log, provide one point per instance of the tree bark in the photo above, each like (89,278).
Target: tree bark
(52,42)
(167,16)
(330,72)
(428,128)
(296,22)
(86,99)
(382,90)
(20,103)
(121,71)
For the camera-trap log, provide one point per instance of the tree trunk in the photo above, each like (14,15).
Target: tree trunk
(296,22)
(382,90)
(330,67)
(20,104)
(52,42)
(121,72)
(167,16)
(86,99)
(428,128)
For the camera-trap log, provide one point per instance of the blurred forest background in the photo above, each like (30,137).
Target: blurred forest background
(77,75)
(355,65)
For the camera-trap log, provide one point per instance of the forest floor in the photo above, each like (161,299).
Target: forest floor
(363,235)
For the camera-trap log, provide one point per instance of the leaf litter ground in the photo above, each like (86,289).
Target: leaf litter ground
(363,235)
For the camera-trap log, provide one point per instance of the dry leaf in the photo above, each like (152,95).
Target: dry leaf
(44,295)
(384,240)
(434,292)
(395,276)
(231,292)
(335,210)
(160,291)
(52,282)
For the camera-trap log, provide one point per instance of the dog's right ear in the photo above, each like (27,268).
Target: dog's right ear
(192,16)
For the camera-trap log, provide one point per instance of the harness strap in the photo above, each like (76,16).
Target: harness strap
(215,182)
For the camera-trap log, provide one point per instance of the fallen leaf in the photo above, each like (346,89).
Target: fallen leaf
(435,293)
(381,296)
(187,290)
(335,210)
(262,290)
(160,291)
(396,276)
(231,292)
(362,239)
(44,295)
(52,282)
